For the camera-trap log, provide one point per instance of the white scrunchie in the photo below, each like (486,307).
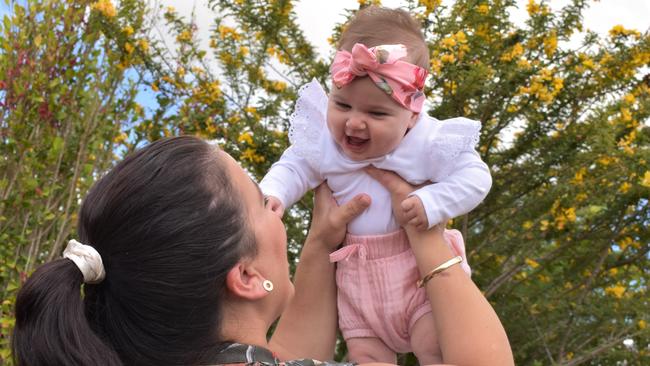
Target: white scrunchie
(87,259)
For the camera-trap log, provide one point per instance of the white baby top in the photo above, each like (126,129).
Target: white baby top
(438,151)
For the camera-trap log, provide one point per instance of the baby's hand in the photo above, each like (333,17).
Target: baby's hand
(414,214)
(275,205)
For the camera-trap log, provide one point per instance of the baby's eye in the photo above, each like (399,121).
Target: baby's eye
(266,200)
(342,105)
(379,113)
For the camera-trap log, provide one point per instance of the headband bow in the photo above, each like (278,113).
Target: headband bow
(402,80)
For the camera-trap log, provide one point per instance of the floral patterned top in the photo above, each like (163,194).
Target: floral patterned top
(249,355)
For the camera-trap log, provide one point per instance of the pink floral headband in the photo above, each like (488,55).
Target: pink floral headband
(400,79)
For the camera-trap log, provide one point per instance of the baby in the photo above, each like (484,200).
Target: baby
(373,116)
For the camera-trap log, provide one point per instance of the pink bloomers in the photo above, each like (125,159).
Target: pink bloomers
(377,294)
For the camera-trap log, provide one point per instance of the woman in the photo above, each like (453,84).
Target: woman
(181,259)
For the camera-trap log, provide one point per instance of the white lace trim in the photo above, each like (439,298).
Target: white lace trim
(307,122)
(455,136)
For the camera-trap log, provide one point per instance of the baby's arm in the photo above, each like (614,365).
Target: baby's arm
(458,193)
(288,180)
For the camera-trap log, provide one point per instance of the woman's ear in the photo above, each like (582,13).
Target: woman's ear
(414,118)
(245,282)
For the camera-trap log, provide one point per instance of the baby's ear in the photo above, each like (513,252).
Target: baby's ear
(414,119)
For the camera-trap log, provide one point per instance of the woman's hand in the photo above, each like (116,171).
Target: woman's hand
(329,220)
(408,210)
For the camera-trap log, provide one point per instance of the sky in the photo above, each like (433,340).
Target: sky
(317,18)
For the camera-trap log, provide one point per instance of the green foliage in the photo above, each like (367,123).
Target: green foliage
(64,102)
(559,247)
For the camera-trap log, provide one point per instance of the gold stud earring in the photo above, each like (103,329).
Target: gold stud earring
(268,285)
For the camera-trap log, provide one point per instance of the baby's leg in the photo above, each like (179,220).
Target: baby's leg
(369,349)
(424,341)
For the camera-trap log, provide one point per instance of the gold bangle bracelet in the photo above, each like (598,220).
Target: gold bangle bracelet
(440,268)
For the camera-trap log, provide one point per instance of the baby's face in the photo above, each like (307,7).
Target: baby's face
(365,121)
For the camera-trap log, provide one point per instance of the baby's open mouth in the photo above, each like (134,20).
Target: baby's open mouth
(356,141)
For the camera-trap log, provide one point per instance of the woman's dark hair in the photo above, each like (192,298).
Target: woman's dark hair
(168,226)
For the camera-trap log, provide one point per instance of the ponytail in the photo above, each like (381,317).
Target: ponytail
(51,326)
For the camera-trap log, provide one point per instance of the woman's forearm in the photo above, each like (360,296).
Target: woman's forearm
(468,329)
(307,328)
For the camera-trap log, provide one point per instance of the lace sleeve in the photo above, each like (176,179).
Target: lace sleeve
(455,136)
(308,121)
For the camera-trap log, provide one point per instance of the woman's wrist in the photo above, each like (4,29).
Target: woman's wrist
(429,247)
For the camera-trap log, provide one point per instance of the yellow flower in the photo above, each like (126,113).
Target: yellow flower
(532,263)
(626,115)
(451,86)
(483,9)
(550,44)
(251,155)
(210,128)
(642,324)
(128,47)
(532,7)
(185,36)
(616,290)
(430,5)
(577,179)
(154,86)
(120,138)
(128,30)
(279,86)
(544,278)
(225,32)
(246,137)
(625,242)
(588,63)
(646,179)
(619,30)
(105,7)
(605,160)
(624,187)
(543,225)
(558,84)
(436,66)
(144,45)
(516,51)
(243,50)
(447,58)
(448,42)
(461,37)
(523,63)
(570,214)
(629,98)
